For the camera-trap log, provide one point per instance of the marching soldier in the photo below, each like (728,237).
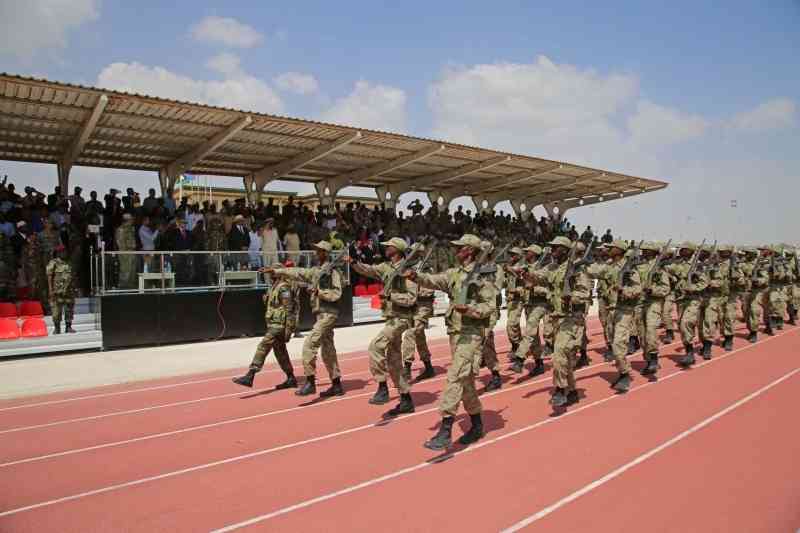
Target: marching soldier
(398,308)
(716,298)
(280,316)
(669,308)
(780,279)
(690,287)
(61,288)
(655,287)
(514,302)
(489,352)
(466,325)
(794,288)
(537,308)
(734,276)
(414,337)
(325,292)
(757,283)
(601,256)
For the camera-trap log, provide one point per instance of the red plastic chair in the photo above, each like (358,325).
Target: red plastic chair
(360,290)
(31,308)
(8,310)
(34,327)
(9,330)
(374,288)
(375,302)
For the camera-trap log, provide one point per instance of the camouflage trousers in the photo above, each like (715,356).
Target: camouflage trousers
(460,384)
(321,338)
(729,313)
(530,341)
(794,297)
(385,356)
(513,319)
(414,337)
(62,305)
(637,330)
(666,313)
(127,272)
(751,308)
(623,324)
(652,311)
(274,339)
(569,332)
(777,302)
(712,317)
(605,323)
(688,318)
(549,326)
(489,350)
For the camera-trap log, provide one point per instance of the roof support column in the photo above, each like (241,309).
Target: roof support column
(389,195)
(554,212)
(63,178)
(326,192)
(252,195)
(446,197)
(516,209)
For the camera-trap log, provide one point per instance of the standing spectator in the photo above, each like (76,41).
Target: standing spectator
(93,206)
(178,239)
(126,242)
(607,237)
(254,248)
(127,201)
(587,235)
(148,234)
(239,240)
(201,259)
(54,199)
(270,243)
(150,203)
(291,243)
(77,203)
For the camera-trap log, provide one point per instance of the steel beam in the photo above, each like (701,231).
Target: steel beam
(513,179)
(356,176)
(446,175)
(74,150)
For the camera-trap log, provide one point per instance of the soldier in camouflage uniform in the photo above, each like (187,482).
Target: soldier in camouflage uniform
(728,304)
(126,242)
(793,291)
(282,304)
(569,315)
(716,298)
(780,279)
(669,308)
(656,285)
(537,308)
(756,274)
(601,258)
(62,290)
(398,306)
(489,351)
(325,292)
(466,325)
(515,292)
(8,270)
(414,337)
(690,290)
(35,264)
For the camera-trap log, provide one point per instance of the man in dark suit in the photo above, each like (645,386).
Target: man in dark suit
(179,239)
(239,240)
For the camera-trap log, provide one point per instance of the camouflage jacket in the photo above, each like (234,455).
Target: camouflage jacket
(326,290)
(581,285)
(685,287)
(125,238)
(480,302)
(631,290)
(660,281)
(719,281)
(59,273)
(282,305)
(402,300)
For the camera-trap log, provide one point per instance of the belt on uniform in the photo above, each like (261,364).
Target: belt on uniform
(576,308)
(425,299)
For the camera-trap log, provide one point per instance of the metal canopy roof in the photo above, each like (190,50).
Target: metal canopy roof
(50,122)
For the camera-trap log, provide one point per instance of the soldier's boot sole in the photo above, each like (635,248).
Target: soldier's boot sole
(246,380)
(332,391)
(443,437)
(307,389)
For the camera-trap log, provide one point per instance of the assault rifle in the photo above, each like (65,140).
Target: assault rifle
(390,281)
(328,267)
(693,264)
(492,268)
(628,265)
(733,264)
(572,265)
(657,265)
(472,278)
(419,265)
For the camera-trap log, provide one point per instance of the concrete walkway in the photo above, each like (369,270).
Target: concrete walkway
(48,374)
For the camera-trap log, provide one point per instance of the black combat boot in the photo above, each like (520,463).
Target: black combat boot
(622,383)
(405,406)
(475,432)
(793,317)
(334,390)
(669,337)
(753,337)
(407,371)
(652,365)
(559,398)
(495,382)
(769,330)
(381,396)
(309,387)
(688,359)
(778,322)
(548,350)
(70,330)
(56,328)
(572,397)
(608,355)
(247,379)
(514,346)
(442,439)
(517,365)
(427,372)
(290,383)
(583,360)
(727,343)
(706,350)
(538,368)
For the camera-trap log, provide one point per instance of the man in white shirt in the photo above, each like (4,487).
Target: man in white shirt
(270,243)
(254,249)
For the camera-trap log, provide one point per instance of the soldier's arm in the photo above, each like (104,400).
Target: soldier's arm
(370,271)
(715,282)
(407,297)
(581,288)
(632,289)
(440,282)
(334,293)
(699,283)
(484,303)
(305,275)
(597,270)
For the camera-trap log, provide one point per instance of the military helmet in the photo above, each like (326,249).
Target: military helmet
(561,241)
(468,239)
(397,243)
(650,246)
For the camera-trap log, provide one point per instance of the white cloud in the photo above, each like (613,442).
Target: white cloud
(226,64)
(238,89)
(297,82)
(33,25)
(379,107)
(659,126)
(774,114)
(226,31)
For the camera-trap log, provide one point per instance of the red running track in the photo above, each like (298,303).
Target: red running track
(678,454)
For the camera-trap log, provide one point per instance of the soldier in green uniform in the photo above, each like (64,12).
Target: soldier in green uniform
(669,308)
(466,325)
(62,290)
(794,288)
(656,285)
(398,306)
(537,307)
(737,287)
(601,258)
(757,275)
(282,303)
(325,291)
(716,297)
(690,287)
(34,262)
(515,292)
(414,337)
(489,352)
(779,280)
(126,242)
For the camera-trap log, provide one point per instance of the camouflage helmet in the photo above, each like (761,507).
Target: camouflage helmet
(561,241)
(619,243)
(725,248)
(468,239)
(516,250)
(396,242)
(535,248)
(686,245)
(650,246)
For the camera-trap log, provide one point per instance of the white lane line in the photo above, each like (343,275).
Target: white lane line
(239,457)
(236,420)
(474,447)
(645,456)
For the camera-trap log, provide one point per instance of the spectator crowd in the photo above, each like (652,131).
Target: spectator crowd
(33,224)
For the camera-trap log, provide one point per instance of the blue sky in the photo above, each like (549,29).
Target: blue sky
(701,94)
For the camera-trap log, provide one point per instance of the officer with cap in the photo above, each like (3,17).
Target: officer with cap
(325,291)
(62,290)
(398,305)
